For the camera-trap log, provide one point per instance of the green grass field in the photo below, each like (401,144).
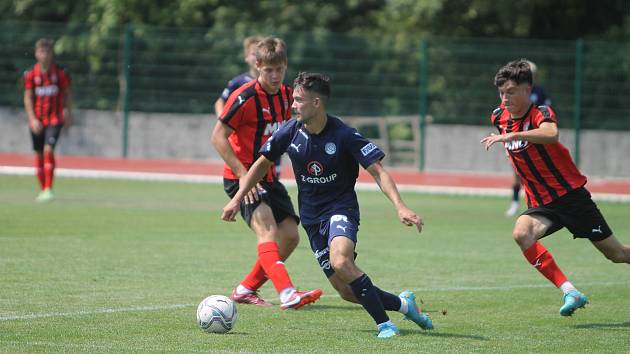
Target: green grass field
(120,266)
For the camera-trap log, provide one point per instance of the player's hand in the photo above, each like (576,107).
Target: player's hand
(35,126)
(229,211)
(253,195)
(409,218)
(496,138)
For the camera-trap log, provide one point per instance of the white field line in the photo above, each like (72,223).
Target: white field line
(190,178)
(178,306)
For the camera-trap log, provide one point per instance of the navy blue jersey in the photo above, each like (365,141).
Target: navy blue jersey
(326,166)
(235,83)
(538,96)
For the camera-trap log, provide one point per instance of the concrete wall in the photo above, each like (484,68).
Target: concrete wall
(187,136)
(99,133)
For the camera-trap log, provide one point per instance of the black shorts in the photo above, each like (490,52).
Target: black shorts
(276,196)
(577,212)
(48,136)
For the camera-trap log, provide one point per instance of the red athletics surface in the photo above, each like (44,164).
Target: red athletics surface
(215,168)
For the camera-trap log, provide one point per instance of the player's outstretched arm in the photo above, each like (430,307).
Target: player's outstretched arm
(246,183)
(547,133)
(388,187)
(492,139)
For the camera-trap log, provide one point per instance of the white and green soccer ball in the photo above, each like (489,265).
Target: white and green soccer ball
(216,314)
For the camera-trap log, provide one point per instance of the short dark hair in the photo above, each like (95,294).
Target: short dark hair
(518,71)
(313,82)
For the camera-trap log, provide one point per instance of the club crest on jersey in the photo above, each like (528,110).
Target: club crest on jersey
(315,168)
(330,148)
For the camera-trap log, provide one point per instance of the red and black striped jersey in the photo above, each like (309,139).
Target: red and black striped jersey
(49,90)
(547,171)
(254,115)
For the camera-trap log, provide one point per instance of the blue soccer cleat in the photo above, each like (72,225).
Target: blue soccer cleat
(573,300)
(413,313)
(387,330)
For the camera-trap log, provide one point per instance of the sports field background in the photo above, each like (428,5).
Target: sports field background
(119,266)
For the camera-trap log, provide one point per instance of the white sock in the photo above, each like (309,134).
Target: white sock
(285,294)
(404,306)
(567,286)
(241,290)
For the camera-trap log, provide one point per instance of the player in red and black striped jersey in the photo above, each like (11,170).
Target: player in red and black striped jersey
(249,55)
(252,113)
(47,105)
(554,186)
(538,97)
(551,160)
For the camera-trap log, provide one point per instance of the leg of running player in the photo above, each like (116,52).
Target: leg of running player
(614,250)
(264,226)
(527,231)
(288,237)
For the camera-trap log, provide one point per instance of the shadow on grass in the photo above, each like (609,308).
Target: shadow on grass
(438,334)
(603,325)
(434,333)
(321,307)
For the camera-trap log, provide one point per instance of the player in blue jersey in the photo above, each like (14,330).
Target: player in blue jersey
(325,154)
(249,55)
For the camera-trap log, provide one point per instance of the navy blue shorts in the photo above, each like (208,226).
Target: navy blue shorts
(48,136)
(275,195)
(577,212)
(320,235)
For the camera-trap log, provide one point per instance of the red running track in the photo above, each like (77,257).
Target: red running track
(215,168)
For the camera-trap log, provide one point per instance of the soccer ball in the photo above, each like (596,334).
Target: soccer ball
(216,314)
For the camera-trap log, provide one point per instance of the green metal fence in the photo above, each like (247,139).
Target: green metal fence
(449,79)
(183,70)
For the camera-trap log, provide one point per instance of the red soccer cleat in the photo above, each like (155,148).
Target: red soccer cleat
(249,298)
(301,298)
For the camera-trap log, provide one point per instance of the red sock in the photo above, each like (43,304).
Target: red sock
(542,260)
(39,168)
(269,259)
(49,169)
(256,277)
